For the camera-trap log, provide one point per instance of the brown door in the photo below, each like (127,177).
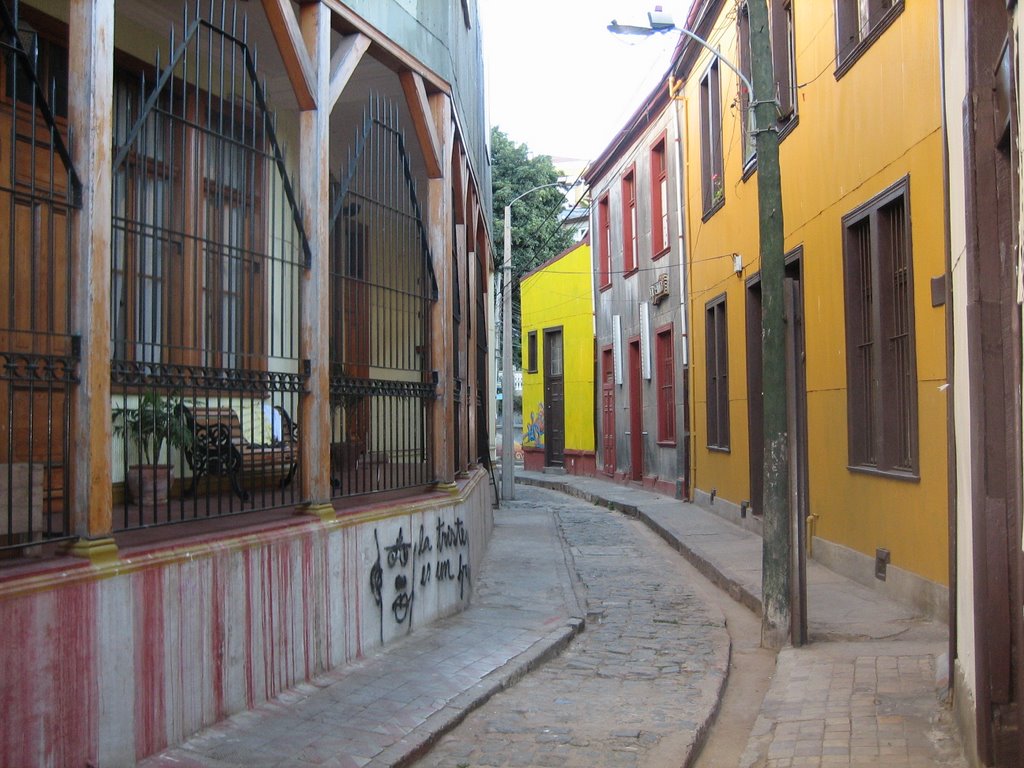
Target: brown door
(636,416)
(796,412)
(554,400)
(608,412)
(796,408)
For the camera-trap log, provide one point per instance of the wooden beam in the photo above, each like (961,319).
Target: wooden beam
(297,62)
(90,103)
(314,196)
(344,62)
(423,122)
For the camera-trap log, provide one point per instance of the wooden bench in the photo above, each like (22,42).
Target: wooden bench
(220,447)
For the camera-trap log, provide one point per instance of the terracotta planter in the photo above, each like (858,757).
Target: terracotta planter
(148,484)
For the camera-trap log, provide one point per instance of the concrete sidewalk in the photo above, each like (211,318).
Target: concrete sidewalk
(866,691)
(390,707)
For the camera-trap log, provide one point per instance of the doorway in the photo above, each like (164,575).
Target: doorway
(554,399)
(608,411)
(796,407)
(636,416)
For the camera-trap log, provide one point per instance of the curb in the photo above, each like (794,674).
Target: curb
(418,742)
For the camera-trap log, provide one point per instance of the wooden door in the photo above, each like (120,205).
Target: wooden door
(608,412)
(554,399)
(796,412)
(636,416)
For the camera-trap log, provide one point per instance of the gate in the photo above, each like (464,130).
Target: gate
(207,251)
(381,291)
(38,353)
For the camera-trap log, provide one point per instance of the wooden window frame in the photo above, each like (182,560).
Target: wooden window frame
(881,356)
(716,345)
(531,352)
(781,17)
(604,243)
(665,357)
(196,334)
(711,159)
(661,236)
(854,38)
(630,233)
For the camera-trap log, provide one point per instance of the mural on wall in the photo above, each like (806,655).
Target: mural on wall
(425,562)
(534,434)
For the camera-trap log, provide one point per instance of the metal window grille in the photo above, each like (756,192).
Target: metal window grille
(38,353)
(207,251)
(382,287)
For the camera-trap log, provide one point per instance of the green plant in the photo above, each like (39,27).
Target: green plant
(154,420)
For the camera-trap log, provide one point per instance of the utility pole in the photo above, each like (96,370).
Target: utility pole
(777,543)
(776,548)
(508,443)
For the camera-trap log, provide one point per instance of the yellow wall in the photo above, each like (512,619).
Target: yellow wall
(559,294)
(854,137)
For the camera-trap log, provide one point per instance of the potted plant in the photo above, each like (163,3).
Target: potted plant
(153,421)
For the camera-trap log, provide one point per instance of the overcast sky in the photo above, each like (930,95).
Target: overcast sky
(558,80)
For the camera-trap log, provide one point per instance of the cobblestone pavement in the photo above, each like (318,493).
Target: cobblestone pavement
(636,688)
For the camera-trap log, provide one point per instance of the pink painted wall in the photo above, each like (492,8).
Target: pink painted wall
(107,665)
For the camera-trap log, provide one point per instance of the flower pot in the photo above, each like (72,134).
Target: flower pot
(148,483)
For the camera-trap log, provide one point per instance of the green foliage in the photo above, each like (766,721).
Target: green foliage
(154,420)
(536,232)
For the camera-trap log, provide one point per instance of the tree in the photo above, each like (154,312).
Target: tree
(537,234)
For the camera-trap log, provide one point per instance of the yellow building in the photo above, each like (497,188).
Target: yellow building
(861,150)
(558,363)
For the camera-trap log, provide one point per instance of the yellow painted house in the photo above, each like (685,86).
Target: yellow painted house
(558,363)
(861,158)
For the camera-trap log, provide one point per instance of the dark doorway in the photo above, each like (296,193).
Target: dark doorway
(636,416)
(608,411)
(796,388)
(554,399)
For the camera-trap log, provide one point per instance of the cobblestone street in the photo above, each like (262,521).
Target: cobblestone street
(635,688)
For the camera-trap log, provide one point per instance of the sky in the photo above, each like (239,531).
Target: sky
(558,81)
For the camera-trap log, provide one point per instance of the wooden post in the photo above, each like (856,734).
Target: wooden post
(777,544)
(439,228)
(90,112)
(314,155)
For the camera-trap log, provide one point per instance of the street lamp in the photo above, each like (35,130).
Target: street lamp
(777,547)
(507,378)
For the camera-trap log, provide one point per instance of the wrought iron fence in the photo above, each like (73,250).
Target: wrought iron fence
(381,288)
(207,251)
(38,354)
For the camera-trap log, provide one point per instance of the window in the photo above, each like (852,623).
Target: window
(604,244)
(659,199)
(712,185)
(880,352)
(747,122)
(717,349)
(666,386)
(858,24)
(187,275)
(780,16)
(531,352)
(629,221)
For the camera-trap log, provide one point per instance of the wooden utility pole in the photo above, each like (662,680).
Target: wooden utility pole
(777,543)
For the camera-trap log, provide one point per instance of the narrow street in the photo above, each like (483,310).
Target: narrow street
(637,687)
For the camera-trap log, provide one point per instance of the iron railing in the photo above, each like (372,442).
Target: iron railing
(38,353)
(207,252)
(381,289)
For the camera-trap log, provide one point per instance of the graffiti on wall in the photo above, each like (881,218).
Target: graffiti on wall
(534,428)
(435,559)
